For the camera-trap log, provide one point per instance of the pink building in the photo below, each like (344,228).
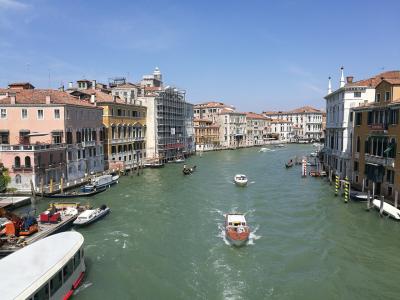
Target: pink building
(48,134)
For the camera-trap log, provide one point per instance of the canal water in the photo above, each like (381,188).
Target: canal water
(164,237)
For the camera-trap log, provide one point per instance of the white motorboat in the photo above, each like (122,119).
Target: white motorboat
(91,215)
(279,145)
(179,160)
(264,150)
(314,154)
(387,208)
(100,182)
(240,180)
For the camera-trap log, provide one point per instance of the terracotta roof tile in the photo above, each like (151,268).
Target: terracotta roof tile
(374,81)
(102,97)
(38,96)
(252,115)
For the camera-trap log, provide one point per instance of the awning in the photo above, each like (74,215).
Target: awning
(4,131)
(372,164)
(37,134)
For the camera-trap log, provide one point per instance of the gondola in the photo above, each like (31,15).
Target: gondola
(76,194)
(289,165)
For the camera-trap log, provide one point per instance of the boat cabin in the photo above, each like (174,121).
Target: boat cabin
(47,269)
(236,220)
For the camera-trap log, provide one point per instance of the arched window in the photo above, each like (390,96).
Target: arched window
(18,179)
(17,162)
(27,161)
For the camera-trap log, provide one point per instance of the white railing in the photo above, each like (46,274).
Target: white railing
(388,162)
(31,147)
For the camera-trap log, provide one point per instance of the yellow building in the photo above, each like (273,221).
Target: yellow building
(124,128)
(207,134)
(376,163)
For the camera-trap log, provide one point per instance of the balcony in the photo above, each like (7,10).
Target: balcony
(88,143)
(24,169)
(36,147)
(383,161)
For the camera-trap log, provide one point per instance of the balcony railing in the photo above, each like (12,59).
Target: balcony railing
(88,143)
(22,168)
(383,161)
(37,147)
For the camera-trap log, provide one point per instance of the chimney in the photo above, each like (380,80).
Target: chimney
(94,84)
(12,100)
(341,77)
(48,100)
(349,79)
(61,88)
(70,85)
(93,98)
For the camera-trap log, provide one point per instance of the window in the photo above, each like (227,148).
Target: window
(68,269)
(358,144)
(24,113)
(27,162)
(387,96)
(370,117)
(378,97)
(43,293)
(69,154)
(55,283)
(18,179)
(77,259)
(351,116)
(51,158)
(4,137)
(3,113)
(390,176)
(356,166)
(57,137)
(17,162)
(357,94)
(358,118)
(56,114)
(40,114)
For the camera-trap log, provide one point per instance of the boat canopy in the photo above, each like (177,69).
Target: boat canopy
(236,218)
(29,268)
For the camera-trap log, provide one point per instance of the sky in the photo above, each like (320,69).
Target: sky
(256,55)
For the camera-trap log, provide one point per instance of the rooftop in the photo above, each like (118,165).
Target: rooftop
(375,80)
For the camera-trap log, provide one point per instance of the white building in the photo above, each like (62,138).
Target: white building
(339,130)
(306,121)
(232,130)
(281,129)
(256,129)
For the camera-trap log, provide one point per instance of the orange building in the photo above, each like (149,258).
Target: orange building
(376,163)
(207,134)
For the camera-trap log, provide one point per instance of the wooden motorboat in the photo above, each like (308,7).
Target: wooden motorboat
(91,215)
(76,194)
(236,229)
(388,209)
(240,180)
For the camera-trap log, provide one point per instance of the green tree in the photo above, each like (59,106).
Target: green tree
(5,179)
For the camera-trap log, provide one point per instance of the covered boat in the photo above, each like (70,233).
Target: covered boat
(75,194)
(51,268)
(91,215)
(240,180)
(236,229)
(100,182)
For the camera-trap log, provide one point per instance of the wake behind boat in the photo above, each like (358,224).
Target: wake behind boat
(240,180)
(91,215)
(236,229)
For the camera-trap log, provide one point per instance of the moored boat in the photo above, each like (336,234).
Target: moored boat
(91,215)
(236,229)
(240,180)
(154,165)
(51,268)
(387,208)
(179,160)
(289,164)
(76,194)
(100,182)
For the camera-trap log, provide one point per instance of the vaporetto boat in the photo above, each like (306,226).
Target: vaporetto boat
(51,268)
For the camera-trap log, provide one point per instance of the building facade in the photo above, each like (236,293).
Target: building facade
(281,129)
(206,134)
(256,129)
(232,132)
(375,160)
(339,132)
(52,135)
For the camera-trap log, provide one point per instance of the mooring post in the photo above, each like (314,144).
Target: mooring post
(373,190)
(61,185)
(396,194)
(346,190)
(381,206)
(363,185)
(336,185)
(369,201)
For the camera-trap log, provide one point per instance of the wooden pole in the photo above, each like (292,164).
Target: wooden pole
(346,190)
(373,190)
(363,185)
(33,199)
(396,194)
(42,186)
(51,185)
(61,185)
(369,201)
(381,206)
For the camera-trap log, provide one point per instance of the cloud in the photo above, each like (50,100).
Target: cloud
(12,5)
